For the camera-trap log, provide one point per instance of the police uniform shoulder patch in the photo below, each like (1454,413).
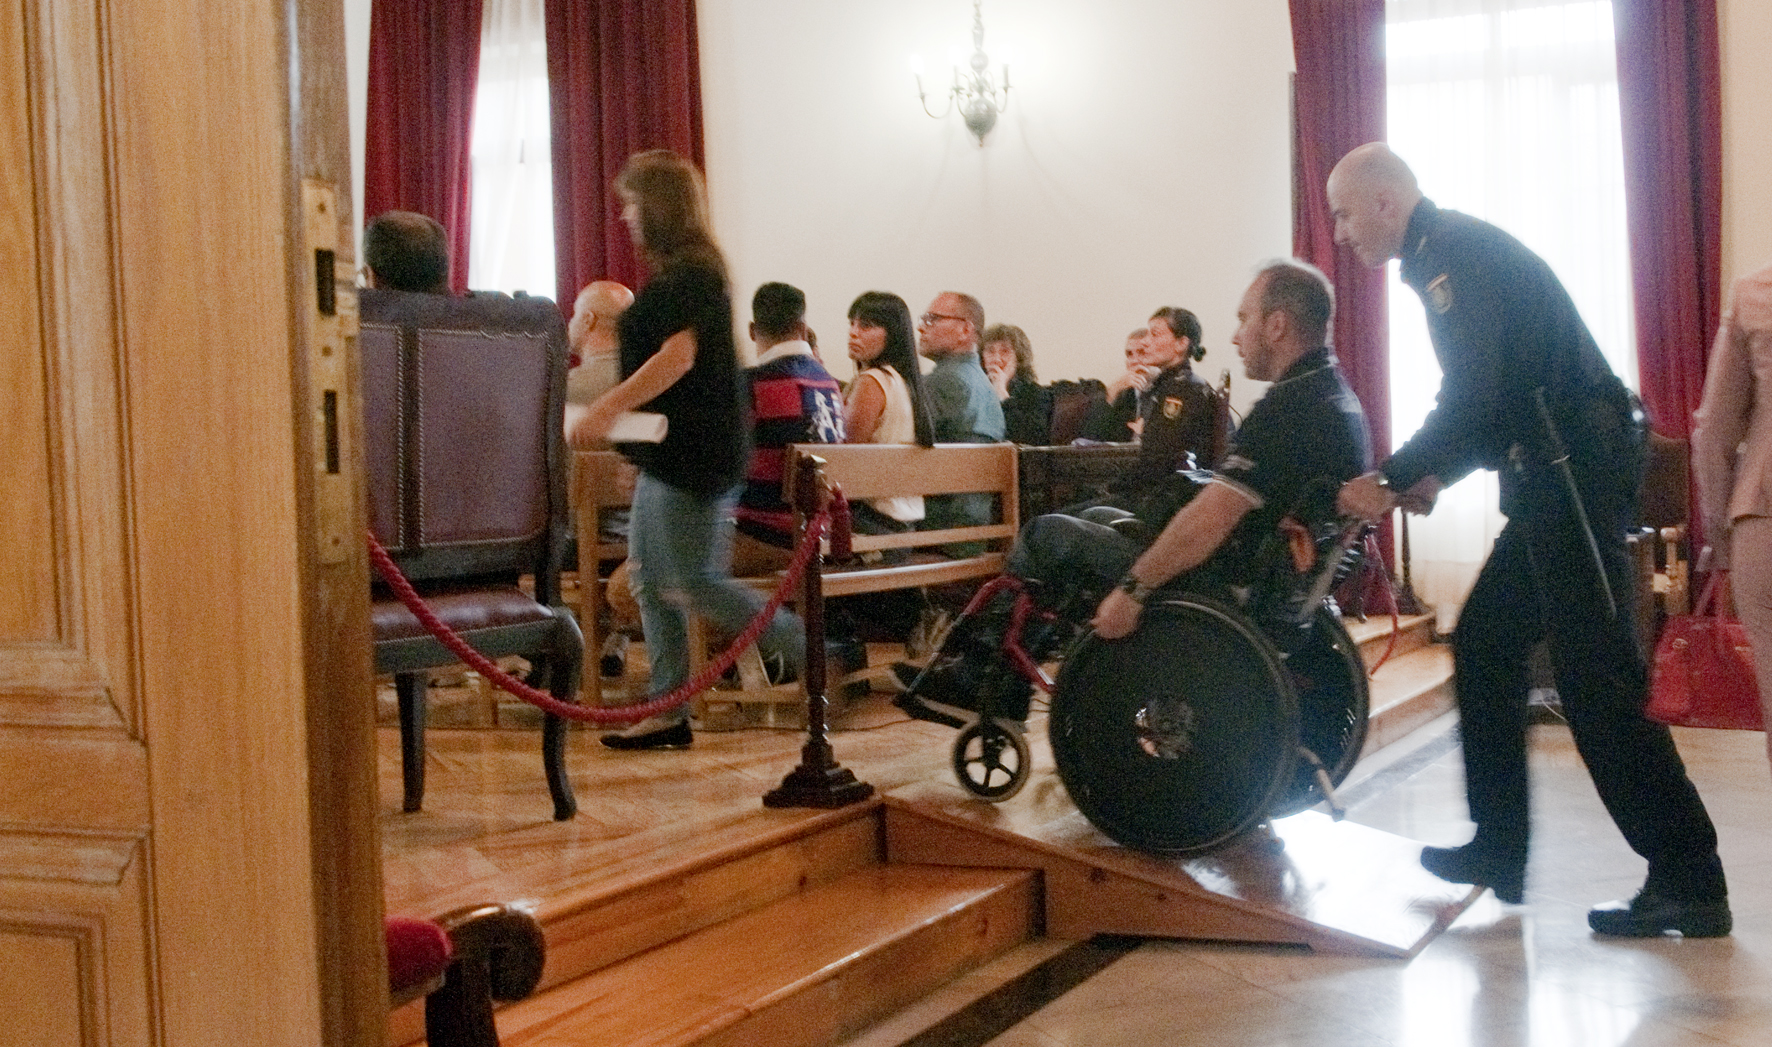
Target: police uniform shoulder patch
(1171,407)
(1439,294)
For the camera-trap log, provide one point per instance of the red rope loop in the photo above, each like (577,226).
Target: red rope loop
(1390,590)
(626,714)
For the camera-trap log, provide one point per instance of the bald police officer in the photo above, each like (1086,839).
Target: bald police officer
(1526,392)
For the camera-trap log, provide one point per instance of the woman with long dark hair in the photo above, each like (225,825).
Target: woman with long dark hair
(678,359)
(884,402)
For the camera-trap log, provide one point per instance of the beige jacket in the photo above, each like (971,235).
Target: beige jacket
(1732,444)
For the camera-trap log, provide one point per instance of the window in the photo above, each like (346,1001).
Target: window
(1507,110)
(511,237)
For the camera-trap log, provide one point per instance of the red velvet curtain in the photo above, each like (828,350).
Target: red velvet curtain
(1338,103)
(623,75)
(1670,102)
(424,62)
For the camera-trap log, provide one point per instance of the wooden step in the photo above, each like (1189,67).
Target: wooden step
(1374,635)
(803,971)
(1407,691)
(665,889)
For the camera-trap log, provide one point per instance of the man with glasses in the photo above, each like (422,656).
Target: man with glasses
(963,408)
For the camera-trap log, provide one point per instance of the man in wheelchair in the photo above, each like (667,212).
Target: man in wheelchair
(1298,443)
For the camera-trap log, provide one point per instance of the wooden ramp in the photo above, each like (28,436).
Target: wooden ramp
(1336,887)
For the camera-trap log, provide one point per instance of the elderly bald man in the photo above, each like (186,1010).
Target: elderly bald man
(1527,393)
(592,335)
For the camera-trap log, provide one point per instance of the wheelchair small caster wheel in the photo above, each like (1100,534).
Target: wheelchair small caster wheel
(992,760)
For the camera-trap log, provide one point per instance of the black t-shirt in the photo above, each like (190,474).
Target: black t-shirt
(1299,444)
(704,448)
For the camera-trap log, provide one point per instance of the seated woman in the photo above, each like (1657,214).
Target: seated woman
(884,402)
(1027,405)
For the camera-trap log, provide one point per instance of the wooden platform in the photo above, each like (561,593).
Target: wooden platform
(675,874)
(1336,887)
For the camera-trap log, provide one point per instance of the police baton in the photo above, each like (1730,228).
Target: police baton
(1560,459)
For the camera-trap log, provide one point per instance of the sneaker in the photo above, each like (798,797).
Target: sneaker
(1652,914)
(778,670)
(655,732)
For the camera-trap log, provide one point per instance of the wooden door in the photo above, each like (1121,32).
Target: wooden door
(187,840)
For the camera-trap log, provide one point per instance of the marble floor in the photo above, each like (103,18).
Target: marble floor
(1530,975)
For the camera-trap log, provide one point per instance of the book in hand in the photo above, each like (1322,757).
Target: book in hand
(638,427)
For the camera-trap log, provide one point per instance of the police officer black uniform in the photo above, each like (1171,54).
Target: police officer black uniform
(1181,417)
(1524,386)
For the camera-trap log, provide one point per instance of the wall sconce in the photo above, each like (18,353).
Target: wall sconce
(978,100)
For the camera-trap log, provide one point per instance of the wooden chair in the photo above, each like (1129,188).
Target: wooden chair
(1072,404)
(467,490)
(460,963)
(1658,546)
(597,488)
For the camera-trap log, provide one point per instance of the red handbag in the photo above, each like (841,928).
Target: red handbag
(1703,674)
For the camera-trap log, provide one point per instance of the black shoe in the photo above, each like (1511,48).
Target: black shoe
(1652,914)
(646,735)
(1468,864)
(956,692)
(614,658)
(930,711)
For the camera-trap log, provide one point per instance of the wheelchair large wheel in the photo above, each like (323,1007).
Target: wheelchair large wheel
(1334,699)
(1181,736)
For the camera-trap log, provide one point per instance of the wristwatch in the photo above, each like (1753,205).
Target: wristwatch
(1138,591)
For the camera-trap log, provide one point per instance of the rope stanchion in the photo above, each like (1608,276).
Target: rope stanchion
(620,715)
(819,780)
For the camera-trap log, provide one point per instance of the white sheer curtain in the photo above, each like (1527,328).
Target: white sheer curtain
(1507,110)
(511,239)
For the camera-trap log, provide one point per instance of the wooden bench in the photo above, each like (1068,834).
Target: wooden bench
(863,472)
(1054,477)
(868,471)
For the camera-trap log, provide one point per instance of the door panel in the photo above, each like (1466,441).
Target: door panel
(74,812)
(177,652)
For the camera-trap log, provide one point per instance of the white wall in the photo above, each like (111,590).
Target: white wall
(1746,28)
(1144,161)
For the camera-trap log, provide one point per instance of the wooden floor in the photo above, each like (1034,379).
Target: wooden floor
(486,834)
(486,830)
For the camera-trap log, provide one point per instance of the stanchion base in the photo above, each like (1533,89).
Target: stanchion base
(805,786)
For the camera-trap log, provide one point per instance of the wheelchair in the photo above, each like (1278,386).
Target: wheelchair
(1223,709)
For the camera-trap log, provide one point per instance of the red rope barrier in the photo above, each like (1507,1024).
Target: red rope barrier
(1390,590)
(626,714)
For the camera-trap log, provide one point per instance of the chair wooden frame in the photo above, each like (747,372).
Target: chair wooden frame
(467,463)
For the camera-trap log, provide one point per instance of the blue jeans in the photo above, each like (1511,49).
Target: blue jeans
(680,553)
